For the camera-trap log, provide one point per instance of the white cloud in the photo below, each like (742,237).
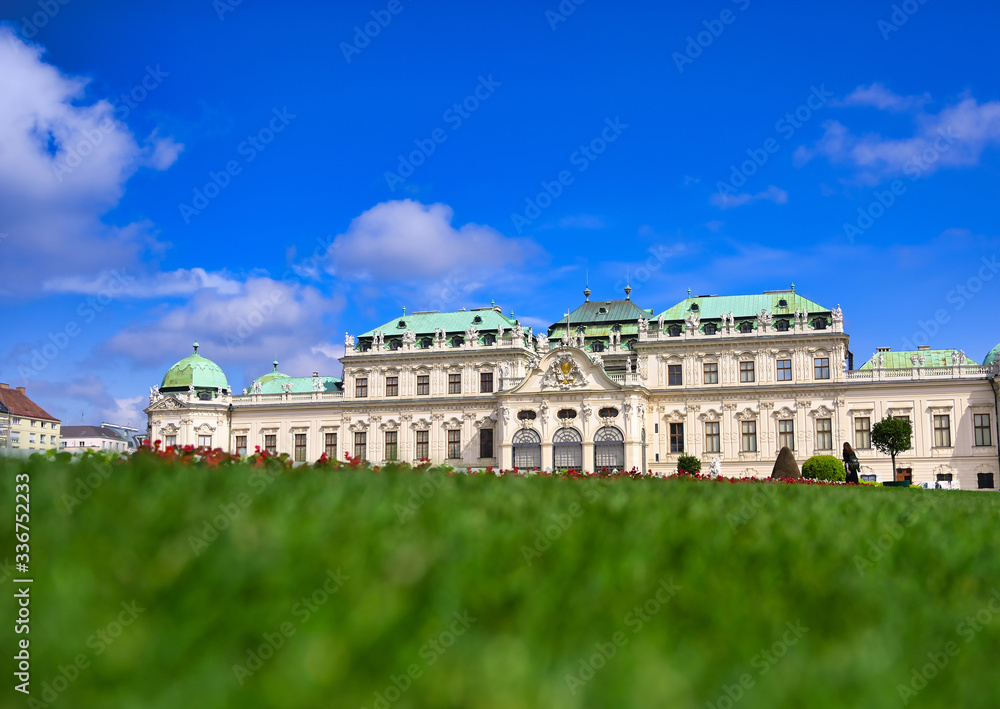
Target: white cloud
(956,137)
(878,96)
(728,201)
(64,163)
(180,282)
(409,241)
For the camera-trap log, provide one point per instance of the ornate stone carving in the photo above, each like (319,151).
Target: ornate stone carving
(564,373)
(764,320)
(348,341)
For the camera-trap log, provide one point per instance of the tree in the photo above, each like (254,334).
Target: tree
(688,464)
(892,436)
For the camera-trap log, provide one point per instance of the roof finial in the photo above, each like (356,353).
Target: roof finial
(404,311)
(275,363)
(196,345)
(793,288)
(689,292)
(628,288)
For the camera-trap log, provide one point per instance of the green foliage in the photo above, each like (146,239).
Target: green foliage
(550,569)
(688,464)
(892,436)
(824,467)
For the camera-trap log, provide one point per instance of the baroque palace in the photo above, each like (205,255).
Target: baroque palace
(611,385)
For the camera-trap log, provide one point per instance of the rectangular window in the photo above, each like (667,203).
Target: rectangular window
(34,423)
(486,384)
(41,438)
(711,373)
(786,433)
(454,383)
(168,441)
(984,434)
(822,367)
(713,439)
(748,429)
(862,433)
(271,444)
(15,421)
(454,444)
(942,431)
(241,445)
(300,448)
(985,481)
(392,386)
(31,436)
(746,372)
(423,445)
(361,387)
(361,445)
(486,443)
(330,445)
(824,434)
(676,438)
(391,446)
(423,384)
(784,370)
(204,441)
(674,375)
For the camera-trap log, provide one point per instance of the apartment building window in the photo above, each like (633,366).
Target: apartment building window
(822,367)
(942,431)
(862,433)
(241,445)
(984,434)
(748,431)
(392,386)
(824,434)
(31,436)
(486,443)
(486,383)
(711,370)
(15,437)
(786,433)
(330,445)
(674,377)
(300,448)
(454,383)
(676,438)
(361,445)
(15,421)
(361,387)
(454,444)
(271,444)
(423,384)
(784,370)
(746,372)
(33,422)
(713,438)
(391,445)
(41,438)
(423,445)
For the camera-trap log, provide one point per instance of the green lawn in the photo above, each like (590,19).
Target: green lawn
(175,586)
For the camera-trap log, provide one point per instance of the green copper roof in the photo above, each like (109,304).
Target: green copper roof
(194,370)
(901,359)
(993,356)
(604,312)
(743,306)
(425,323)
(299,384)
(273,374)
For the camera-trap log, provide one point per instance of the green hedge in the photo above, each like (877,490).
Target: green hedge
(824,467)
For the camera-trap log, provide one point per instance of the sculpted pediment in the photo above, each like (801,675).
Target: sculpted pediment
(167,403)
(566,369)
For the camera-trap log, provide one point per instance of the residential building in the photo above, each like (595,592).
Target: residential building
(28,426)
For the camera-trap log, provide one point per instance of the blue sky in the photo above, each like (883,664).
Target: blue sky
(268,177)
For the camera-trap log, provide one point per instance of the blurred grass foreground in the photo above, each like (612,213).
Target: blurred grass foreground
(173,583)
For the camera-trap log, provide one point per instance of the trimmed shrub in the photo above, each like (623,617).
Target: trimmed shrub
(688,464)
(785,466)
(824,467)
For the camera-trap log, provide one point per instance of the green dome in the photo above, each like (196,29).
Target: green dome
(272,375)
(194,371)
(993,357)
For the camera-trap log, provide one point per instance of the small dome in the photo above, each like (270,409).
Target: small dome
(194,371)
(993,357)
(272,375)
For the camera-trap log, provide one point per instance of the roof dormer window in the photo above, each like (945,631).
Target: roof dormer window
(782,303)
(401,324)
(694,308)
(602,310)
(477,319)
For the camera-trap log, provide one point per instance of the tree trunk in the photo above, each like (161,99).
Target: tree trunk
(893,466)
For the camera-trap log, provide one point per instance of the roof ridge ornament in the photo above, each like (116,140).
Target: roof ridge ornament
(628,288)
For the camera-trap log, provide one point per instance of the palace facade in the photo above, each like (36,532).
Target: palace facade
(612,385)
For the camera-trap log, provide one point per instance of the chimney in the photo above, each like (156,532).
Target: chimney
(923,348)
(20,390)
(315,374)
(3,386)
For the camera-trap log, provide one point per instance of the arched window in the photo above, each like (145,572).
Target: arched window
(566,414)
(478,319)
(401,324)
(567,449)
(609,449)
(608,412)
(746,327)
(711,328)
(526,415)
(527,449)
(782,303)
(781,326)
(674,330)
(597,346)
